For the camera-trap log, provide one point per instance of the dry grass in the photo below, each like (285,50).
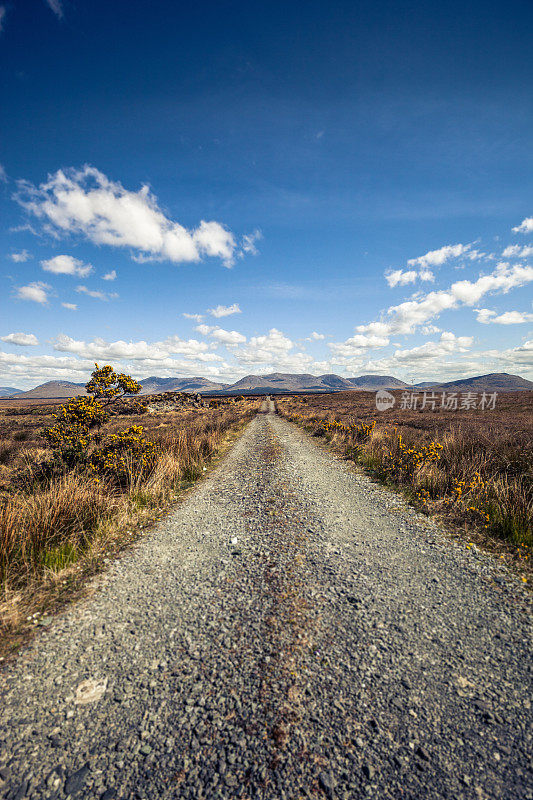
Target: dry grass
(56,530)
(473,469)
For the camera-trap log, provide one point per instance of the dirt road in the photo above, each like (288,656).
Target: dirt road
(290,631)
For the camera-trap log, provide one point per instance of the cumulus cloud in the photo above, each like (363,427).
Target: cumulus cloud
(67,265)
(514,358)
(86,202)
(195,317)
(273,349)
(428,330)
(21,339)
(105,296)
(110,276)
(421,267)
(358,344)
(20,257)
(400,277)
(526,226)
(134,351)
(406,317)
(37,292)
(486,316)
(515,251)
(224,311)
(221,335)
(436,258)
(447,344)
(70,306)
(315,337)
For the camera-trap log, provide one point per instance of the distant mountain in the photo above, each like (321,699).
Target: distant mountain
(155,385)
(288,382)
(54,390)
(493,382)
(9,391)
(371,383)
(278,382)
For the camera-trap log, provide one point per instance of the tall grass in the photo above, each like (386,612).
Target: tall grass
(50,523)
(481,478)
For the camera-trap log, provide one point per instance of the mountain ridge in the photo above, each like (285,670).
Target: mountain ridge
(281,382)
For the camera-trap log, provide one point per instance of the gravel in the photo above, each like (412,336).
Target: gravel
(292,630)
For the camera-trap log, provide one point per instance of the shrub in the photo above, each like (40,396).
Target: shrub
(70,437)
(123,456)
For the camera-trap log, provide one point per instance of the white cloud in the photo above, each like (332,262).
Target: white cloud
(429,330)
(248,244)
(224,311)
(315,337)
(406,317)
(436,258)
(85,201)
(105,296)
(358,344)
(447,344)
(273,349)
(516,357)
(56,6)
(135,351)
(515,251)
(400,277)
(67,265)
(21,339)
(70,306)
(195,317)
(37,292)
(485,316)
(228,337)
(20,257)
(221,335)
(421,266)
(526,226)
(110,276)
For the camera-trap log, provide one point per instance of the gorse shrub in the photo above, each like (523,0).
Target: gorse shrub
(484,479)
(72,435)
(107,386)
(400,462)
(119,454)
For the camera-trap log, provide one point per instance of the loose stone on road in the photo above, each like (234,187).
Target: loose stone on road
(292,630)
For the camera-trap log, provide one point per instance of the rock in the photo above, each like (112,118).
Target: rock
(422,753)
(368,771)
(326,783)
(75,782)
(90,691)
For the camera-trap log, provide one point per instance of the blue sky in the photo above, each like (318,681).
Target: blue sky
(236,187)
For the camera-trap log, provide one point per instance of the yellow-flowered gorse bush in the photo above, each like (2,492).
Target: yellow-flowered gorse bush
(120,456)
(401,463)
(75,436)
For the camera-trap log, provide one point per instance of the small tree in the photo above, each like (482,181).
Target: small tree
(72,434)
(106,385)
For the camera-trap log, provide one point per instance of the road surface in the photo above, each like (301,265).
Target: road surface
(292,630)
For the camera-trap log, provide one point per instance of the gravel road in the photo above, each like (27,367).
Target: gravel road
(292,630)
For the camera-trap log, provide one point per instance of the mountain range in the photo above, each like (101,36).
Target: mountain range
(279,382)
